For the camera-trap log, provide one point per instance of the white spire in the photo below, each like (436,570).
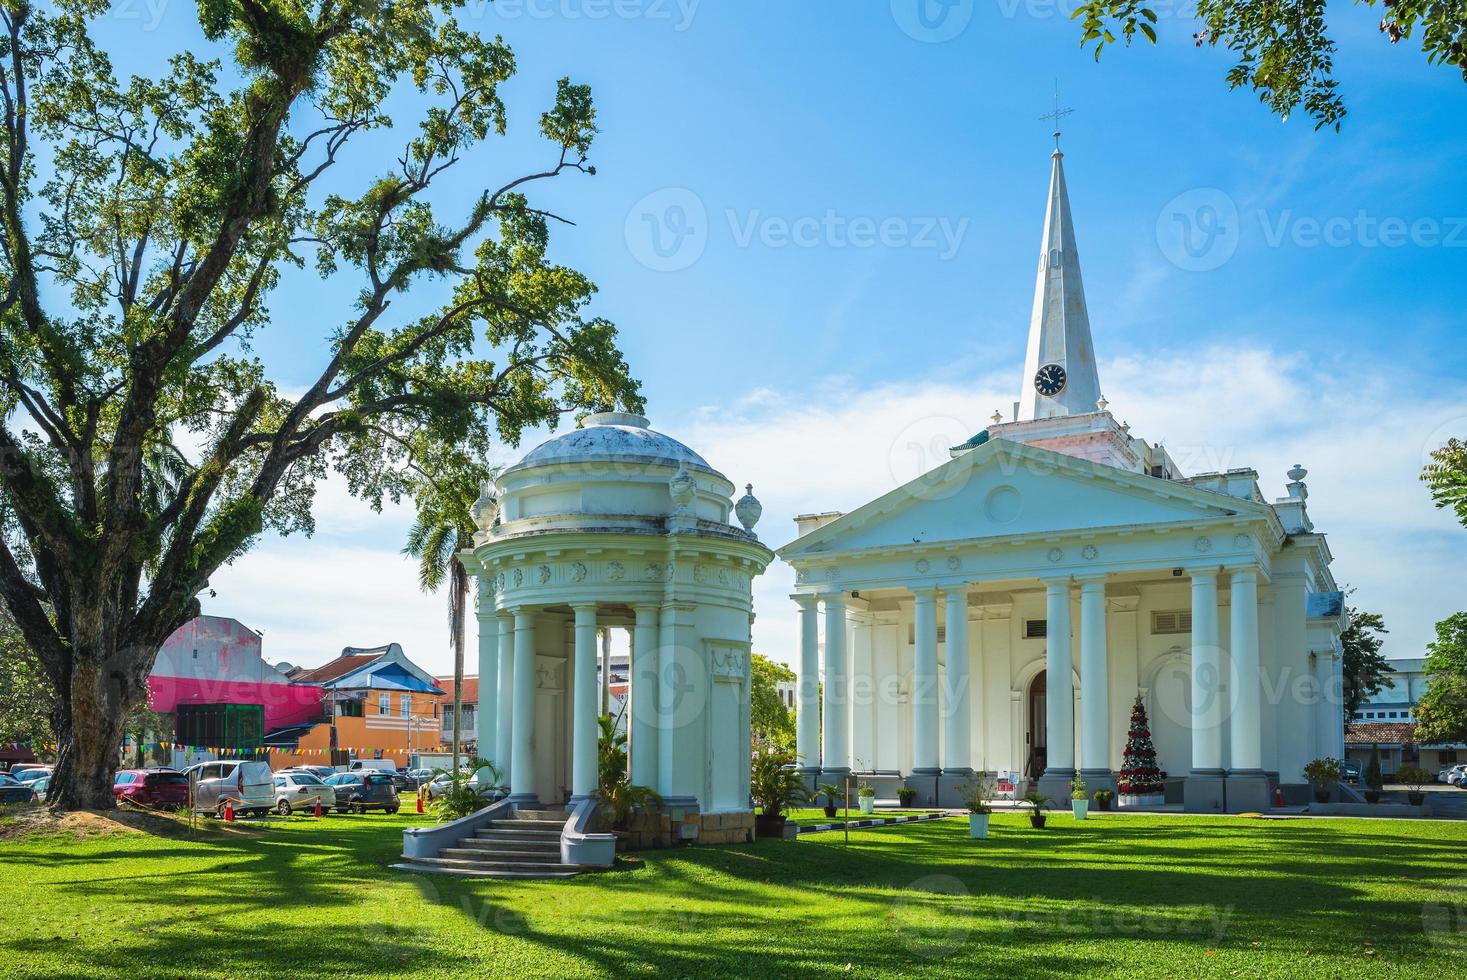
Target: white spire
(1059,369)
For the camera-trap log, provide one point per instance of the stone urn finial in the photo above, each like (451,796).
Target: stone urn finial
(682,487)
(485,510)
(997,417)
(1298,473)
(748,510)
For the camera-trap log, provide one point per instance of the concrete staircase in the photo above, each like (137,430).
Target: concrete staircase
(524,846)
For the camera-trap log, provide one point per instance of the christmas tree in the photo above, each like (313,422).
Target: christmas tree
(1139,775)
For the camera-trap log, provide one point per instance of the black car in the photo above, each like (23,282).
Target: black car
(403,781)
(13,790)
(366,789)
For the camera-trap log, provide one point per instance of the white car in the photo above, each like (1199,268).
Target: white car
(296,789)
(1452,775)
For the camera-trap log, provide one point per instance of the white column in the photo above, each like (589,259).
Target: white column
(956,703)
(835,753)
(503,724)
(1059,692)
(1246,730)
(1207,706)
(924,684)
(863,696)
(1328,715)
(583,721)
(1094,682)
(807,689)
(606,671)
(643,741)
(488,726)
(522,741)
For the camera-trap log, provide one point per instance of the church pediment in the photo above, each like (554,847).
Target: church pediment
(1009,490)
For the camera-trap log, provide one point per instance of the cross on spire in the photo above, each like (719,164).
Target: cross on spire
(1056,116)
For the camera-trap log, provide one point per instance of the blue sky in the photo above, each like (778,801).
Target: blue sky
(848,211)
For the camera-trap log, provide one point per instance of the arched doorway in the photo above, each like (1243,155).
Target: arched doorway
(1035,727)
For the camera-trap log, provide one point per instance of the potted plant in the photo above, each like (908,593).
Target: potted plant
(1079,798)
(774,784)
(1036,803)
(1413,778)
(1103,798)
(1322,775)
(976,793)
(831,792)
(905,796)
(1371,777)
(866,798)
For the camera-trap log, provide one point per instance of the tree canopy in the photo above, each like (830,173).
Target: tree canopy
(1446,476)
(1441,714)
(145,223)
(1363,665)
(1284,51)
(772,723)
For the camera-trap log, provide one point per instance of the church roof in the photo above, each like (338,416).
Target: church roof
(1059,324)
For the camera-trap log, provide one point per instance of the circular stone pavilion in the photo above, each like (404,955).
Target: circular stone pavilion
(614,525)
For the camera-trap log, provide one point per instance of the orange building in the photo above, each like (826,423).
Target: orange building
(379,705)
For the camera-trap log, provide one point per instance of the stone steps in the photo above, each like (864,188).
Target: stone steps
(479,869)
(511,846)
(474,856)
(526,845)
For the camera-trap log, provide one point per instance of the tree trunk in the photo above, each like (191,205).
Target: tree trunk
(89,736)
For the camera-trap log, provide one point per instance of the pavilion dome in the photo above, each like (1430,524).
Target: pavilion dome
(612,437)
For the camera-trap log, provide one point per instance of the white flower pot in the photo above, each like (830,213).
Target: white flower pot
(978,825)
(1081,808)
(866,803)
(1149,799)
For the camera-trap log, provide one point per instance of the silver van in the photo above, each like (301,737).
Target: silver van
(249,785)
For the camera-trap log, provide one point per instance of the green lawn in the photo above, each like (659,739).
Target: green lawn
(1138,896)
(816,815)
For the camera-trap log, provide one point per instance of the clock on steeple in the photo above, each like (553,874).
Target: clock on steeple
(1050,380)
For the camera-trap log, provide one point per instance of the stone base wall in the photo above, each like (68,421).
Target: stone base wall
(651,831)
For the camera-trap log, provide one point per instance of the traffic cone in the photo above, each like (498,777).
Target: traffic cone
(420,802)
(318,807)
(229,812)
(1278,796)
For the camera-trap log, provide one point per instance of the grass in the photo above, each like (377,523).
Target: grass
(816,815)
(1140,896)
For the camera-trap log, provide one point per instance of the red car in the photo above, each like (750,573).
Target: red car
(156,787)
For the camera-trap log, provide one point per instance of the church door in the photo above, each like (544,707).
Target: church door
(1036,730)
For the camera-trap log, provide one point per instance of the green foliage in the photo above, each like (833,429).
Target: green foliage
(1284,51)
(905,796)
(1036,801)
(1363,665)
(1372,777)
(833,794)
(866,790)
(27,698)
(1446,475)
(1413,777)
(619,795)
(975,792)
(771,722)
(1077,787)
(1322,770)
(1441,714)
(458,802)
(774,781)
(1103,796)
(145,223)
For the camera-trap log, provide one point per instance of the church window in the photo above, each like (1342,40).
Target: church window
(1177,621)
(1035,629)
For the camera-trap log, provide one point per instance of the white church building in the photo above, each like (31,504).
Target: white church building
(1002,612)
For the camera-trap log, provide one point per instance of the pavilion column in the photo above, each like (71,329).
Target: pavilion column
(522,740)
(1247,784)
(583,721)
(1203,789)
(643,742)
(503,723)
(1094,689)
(807,689)
(487,720)
(1059,692)
(835,753)
(957,757)
(1328,715)
(924,685)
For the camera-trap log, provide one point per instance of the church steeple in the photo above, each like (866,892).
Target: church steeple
(1059,370)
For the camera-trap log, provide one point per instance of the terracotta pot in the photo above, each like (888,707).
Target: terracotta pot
(1037,820)
(770,826)
(830,810)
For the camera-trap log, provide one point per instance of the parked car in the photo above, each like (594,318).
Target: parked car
(30,774)
(363,791)
(40,787)
(1452,775)
(320,772)
(250,785)
(13,790)
(1350,773)
(295,788)
(423,776)
(381,765)
(156,786)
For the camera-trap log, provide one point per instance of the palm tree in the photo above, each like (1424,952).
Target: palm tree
(444,526)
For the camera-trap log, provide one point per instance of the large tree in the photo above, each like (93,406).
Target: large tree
(1284,51)
(145,222)
(1441,714)
(772,722)
(1363,665)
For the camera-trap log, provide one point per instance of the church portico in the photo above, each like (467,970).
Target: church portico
(1005,609)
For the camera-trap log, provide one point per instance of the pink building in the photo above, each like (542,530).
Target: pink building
(215,660)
